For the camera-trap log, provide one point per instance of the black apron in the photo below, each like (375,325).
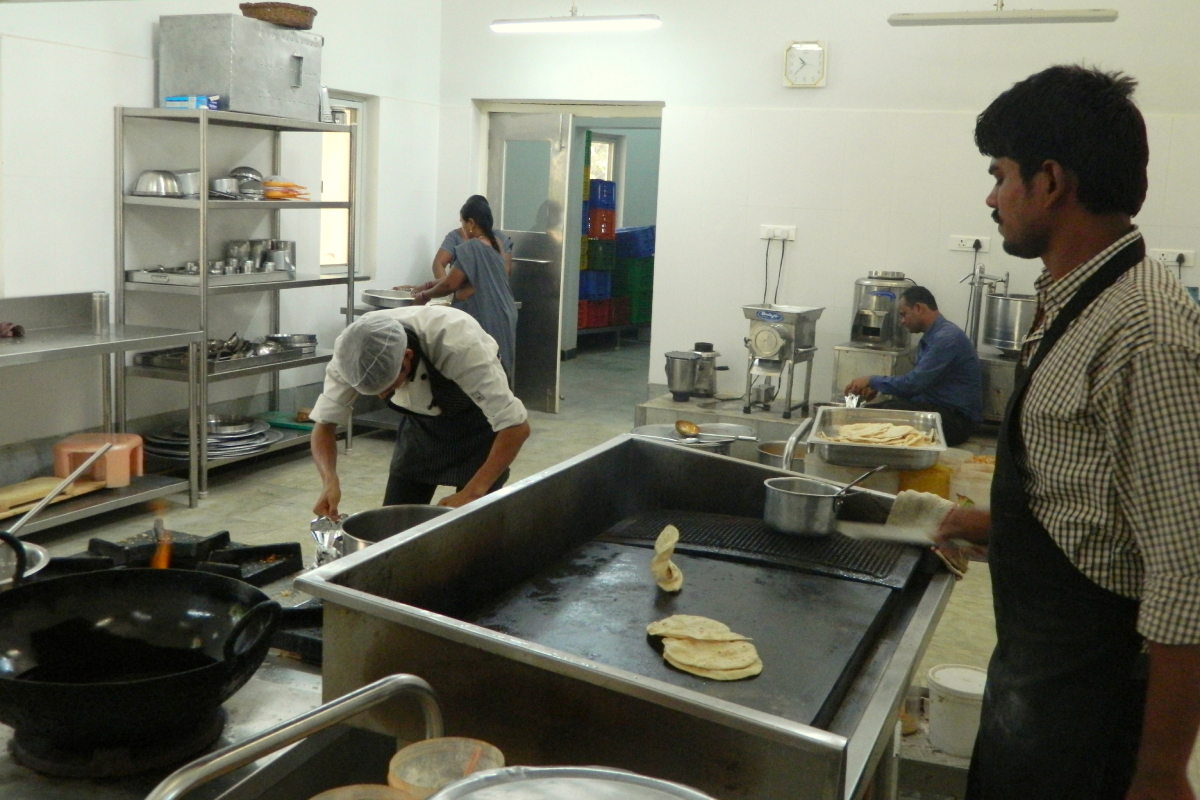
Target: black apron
(1062,710)
(448,449)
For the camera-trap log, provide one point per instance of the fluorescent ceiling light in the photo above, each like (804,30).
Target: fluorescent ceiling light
(1002,17)
(576,22)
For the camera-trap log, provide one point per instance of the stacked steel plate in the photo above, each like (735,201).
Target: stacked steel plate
(228,437)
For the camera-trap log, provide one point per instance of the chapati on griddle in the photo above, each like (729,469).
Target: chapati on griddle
(667,574)
(688,626)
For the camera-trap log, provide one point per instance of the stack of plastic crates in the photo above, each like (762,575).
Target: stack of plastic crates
(634,273)
(598,255)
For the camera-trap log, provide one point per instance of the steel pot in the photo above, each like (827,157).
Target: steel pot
(801,506)
(361,530)
(1007,320)
(771,454)
(118,658)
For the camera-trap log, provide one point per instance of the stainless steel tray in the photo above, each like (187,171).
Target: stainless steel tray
(177,359)
(830,418)
(186,279)
(387,298)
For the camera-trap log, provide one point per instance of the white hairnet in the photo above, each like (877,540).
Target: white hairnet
(370,353)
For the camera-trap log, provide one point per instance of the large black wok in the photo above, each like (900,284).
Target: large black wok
(126,657)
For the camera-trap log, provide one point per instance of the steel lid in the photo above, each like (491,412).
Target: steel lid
(686,355)
(556,783)
(886,274)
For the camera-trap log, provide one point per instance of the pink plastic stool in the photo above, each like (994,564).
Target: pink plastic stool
(125,460)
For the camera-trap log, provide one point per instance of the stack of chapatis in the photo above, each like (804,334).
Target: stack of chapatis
(706,647)
(884,433)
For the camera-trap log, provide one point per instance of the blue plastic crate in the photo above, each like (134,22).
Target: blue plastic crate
(603,194)
(635,242)
(595,285)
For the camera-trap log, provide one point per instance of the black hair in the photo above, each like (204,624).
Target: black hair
(476,208)
(919,294)
(1082,118)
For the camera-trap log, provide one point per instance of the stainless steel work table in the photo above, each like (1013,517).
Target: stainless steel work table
(76,326)
(390,609)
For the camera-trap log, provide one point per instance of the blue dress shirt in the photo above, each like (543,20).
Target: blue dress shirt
(946,372)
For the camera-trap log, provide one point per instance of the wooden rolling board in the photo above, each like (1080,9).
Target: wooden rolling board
(20,497)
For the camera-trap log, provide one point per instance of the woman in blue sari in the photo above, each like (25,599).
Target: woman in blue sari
(479,282)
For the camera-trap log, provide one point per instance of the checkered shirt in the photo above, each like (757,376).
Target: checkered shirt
(1111,423)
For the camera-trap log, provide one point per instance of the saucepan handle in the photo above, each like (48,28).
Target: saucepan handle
(19,549)
(269,610)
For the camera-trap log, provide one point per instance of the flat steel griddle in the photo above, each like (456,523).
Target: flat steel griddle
(811,630)
(748,539)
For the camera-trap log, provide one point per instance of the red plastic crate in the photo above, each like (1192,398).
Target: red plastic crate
(594,313)
(620,310)
(602,223)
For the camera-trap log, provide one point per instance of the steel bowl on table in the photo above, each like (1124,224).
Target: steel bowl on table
(121,658)
(771,454)
(851,454)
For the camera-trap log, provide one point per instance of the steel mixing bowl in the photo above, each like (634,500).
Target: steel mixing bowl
(157,183)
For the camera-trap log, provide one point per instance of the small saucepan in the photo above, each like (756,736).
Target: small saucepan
(806,506)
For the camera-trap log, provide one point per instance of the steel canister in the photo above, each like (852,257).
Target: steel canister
(706,370)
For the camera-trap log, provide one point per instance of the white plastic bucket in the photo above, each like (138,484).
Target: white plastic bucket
(955,698)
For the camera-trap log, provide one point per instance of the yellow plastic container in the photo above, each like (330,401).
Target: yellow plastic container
(935,480)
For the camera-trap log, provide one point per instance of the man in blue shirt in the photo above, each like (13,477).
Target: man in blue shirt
(946,376)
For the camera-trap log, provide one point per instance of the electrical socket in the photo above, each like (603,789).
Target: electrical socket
(1168,257)
(968,243)
(787,232)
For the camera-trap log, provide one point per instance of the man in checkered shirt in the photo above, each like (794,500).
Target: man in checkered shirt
(1094,534)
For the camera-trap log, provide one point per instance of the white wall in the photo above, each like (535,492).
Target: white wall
(876,170)
(64,66)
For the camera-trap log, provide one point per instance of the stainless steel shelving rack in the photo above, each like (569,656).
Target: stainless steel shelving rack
(72,326)
(209,125)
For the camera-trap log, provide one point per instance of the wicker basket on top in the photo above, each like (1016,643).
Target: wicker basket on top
(285,14)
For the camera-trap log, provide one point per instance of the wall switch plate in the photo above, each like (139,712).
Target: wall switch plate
(968,243)
(787,232)
(1168,257)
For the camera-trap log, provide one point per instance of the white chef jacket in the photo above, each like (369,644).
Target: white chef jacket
(458,348)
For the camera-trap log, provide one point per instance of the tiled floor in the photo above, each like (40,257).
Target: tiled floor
(271,500)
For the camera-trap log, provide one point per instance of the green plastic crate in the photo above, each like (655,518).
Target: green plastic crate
(641,305)
(633,275)
(602,254)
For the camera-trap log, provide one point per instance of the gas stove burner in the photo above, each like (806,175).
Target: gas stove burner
(47,758)
(257,565)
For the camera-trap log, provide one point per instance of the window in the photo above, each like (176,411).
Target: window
(335,186)
(603,158)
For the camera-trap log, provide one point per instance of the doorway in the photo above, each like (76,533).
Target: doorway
(534,167)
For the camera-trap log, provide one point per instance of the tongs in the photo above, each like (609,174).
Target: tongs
(852,400)
(327,531)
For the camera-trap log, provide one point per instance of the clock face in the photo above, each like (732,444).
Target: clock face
(804,64)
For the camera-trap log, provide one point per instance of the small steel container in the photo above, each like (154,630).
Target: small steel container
(801,506)
(771,454)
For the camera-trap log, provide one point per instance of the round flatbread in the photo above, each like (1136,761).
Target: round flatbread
(719,674)
(708,654)
(687,626)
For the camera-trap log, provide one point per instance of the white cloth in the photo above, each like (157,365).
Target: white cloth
(458,348)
